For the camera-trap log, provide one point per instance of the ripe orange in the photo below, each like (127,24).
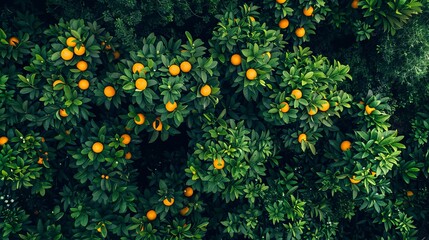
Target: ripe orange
(97,147)
(280,1)
(139,119)
(56,82)
(128,155)
(66,54)
(252,18)
(284,23)
(174,70)
(151,215)
(302,137)
(103,176)
(108,47)
(297,94)
(83,84)
(116,54)
(251,74)
(109,91)
(171,106)
(185,66)
(188,192)
(345,145)
(168,202)
(300,32)
(206,90)
(157,124)
(126,138)
(355,4)
(107,177)
(79,51)
(354,180)
(141,84)
(71,42)
(235,59)
(184,211)
(410,193)
(286,108)
(373,173)
(3,140)
(325,106)
(13,41)
(99,229)
(82,65)
(40,161)
(308,11)
(369,109)
(219,164)
(137,67)
(312,111)
(63,113)
(43,140)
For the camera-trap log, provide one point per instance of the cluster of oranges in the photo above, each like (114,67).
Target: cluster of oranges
(78,50)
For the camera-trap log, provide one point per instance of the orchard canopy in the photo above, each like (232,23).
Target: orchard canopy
(189,119)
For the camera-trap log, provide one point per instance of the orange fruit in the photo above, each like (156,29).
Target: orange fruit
(354,180)
(141,84)
(63,113)
(219,164)
(308,11)
(40,161)
(102,176)
(284,23)
(97,147)
(109,91)
(82,65)
(79,51)
(13,41)
(137,67)
(116,54)
(107,177)
(43,140)
(325,106)
(252,18)
(168,202)
(302,137)
(410,193)
(369,109)
(286,108)
(99,229)
(128,155)
(174,70)
(66,54)
(83,84)
(345,145)
(151,215)
(126,139)
(184,211)
(355,4)
(235,59)
(312,111)
(108,47)
(300,32)
(280,1)
(56,82)
(206,90)
(188,192)
(139,119)
(171,106)
(185,66)
(3,140)
(71,42)
(157,124)
(373,173)
(251,74)
(297,94)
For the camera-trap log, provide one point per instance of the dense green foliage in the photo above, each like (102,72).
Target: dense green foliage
(233,131)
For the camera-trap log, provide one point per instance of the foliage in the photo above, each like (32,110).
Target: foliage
(238,137)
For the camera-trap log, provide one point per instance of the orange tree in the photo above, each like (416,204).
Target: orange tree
(93,145)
